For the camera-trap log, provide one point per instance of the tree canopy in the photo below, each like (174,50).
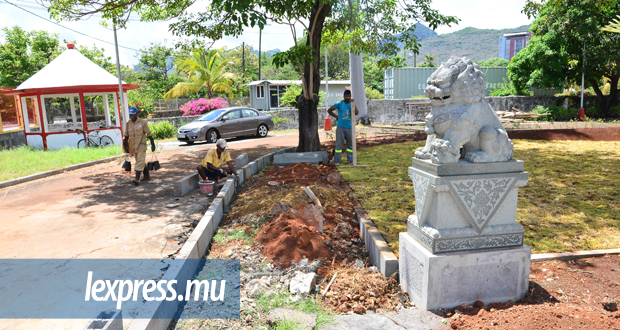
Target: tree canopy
(556,56)
(373,27)
(205,70)
(24,53)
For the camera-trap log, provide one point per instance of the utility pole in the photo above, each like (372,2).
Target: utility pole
(583,71)
(259,51)
(120,82)
(243,60)
(326,81)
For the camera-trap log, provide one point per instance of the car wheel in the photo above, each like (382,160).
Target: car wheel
(262,130)
(211,136)
(189,142)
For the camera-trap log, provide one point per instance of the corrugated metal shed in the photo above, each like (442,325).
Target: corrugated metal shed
(405,83)
(265,94)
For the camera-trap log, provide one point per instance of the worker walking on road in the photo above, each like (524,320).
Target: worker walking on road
(211,165)
(343,129)
(136,132)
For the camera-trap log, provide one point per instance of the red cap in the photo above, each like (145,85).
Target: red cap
(70,46)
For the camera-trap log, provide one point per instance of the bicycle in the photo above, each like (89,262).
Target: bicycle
(94,140)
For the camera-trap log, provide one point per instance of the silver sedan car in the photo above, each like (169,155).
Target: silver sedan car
(226,123)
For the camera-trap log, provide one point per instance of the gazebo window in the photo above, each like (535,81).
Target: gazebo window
(58,114)
(33,113)
(95,114)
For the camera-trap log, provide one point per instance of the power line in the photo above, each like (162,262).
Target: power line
(40,6)
(70,29)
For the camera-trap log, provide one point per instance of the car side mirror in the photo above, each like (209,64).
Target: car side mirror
(225,118)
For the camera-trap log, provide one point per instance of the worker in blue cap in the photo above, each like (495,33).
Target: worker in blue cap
(136,132)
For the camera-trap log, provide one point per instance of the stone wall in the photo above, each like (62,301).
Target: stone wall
(167,113)
(388,112)
(528,103)
(12,139)
(176,121)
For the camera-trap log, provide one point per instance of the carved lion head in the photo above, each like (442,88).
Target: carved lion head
(458,80)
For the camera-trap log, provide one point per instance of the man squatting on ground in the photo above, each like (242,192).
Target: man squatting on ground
(343,126)
(136,132)
(211,165)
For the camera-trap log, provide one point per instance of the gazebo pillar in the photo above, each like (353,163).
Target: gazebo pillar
(84,121)
(106,110)
(26,120)
(44,123)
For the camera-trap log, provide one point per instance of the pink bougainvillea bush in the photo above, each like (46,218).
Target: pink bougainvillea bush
(201,106)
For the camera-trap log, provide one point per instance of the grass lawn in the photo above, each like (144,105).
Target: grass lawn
(19,162)
(571,202)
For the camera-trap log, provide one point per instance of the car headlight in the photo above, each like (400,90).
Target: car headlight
(197,129)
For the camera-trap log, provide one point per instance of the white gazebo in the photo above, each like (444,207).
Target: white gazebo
(53,92)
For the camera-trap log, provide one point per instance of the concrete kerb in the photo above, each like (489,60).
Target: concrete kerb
(379,251)
(572,255)
(157,315)
(45,174)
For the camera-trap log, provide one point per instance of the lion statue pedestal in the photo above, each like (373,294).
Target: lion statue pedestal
(463,243)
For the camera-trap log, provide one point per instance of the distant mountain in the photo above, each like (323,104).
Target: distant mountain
(270,52)
(475,44)
(423,32)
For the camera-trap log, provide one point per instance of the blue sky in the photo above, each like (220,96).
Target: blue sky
(483,14)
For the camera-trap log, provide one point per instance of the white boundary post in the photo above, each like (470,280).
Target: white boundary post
(353,136)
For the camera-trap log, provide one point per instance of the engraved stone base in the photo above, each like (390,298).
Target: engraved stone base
(466,206)
(462,239)
(451,279)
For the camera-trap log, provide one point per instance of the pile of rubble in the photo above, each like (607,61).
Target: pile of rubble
(518,115)
(299,233)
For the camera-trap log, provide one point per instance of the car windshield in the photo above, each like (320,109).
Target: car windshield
(211,115)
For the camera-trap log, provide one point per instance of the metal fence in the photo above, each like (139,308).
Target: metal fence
(408,82)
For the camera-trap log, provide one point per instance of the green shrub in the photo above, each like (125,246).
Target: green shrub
(373,94)
(163,130)
(289,98)
(556,113)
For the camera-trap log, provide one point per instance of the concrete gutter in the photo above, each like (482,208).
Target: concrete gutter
(45,174)
(156,315)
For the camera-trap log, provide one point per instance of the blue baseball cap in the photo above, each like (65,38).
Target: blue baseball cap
(133,111)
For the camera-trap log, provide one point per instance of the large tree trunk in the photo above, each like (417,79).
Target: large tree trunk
(605,102)
(308,115)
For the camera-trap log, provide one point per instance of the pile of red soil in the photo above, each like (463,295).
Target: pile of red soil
(289,238)
(293,235)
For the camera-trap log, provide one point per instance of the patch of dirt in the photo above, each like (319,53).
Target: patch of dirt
(577,294)
(582,134)
(377,141)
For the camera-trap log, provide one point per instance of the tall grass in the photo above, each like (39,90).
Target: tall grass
(571,202)
(22,161)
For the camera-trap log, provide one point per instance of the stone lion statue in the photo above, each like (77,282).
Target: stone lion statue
(460,117)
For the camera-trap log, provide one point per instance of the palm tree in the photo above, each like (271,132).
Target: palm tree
(613,26)
(205,69)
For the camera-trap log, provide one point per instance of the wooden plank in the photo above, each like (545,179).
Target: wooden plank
(315,199)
